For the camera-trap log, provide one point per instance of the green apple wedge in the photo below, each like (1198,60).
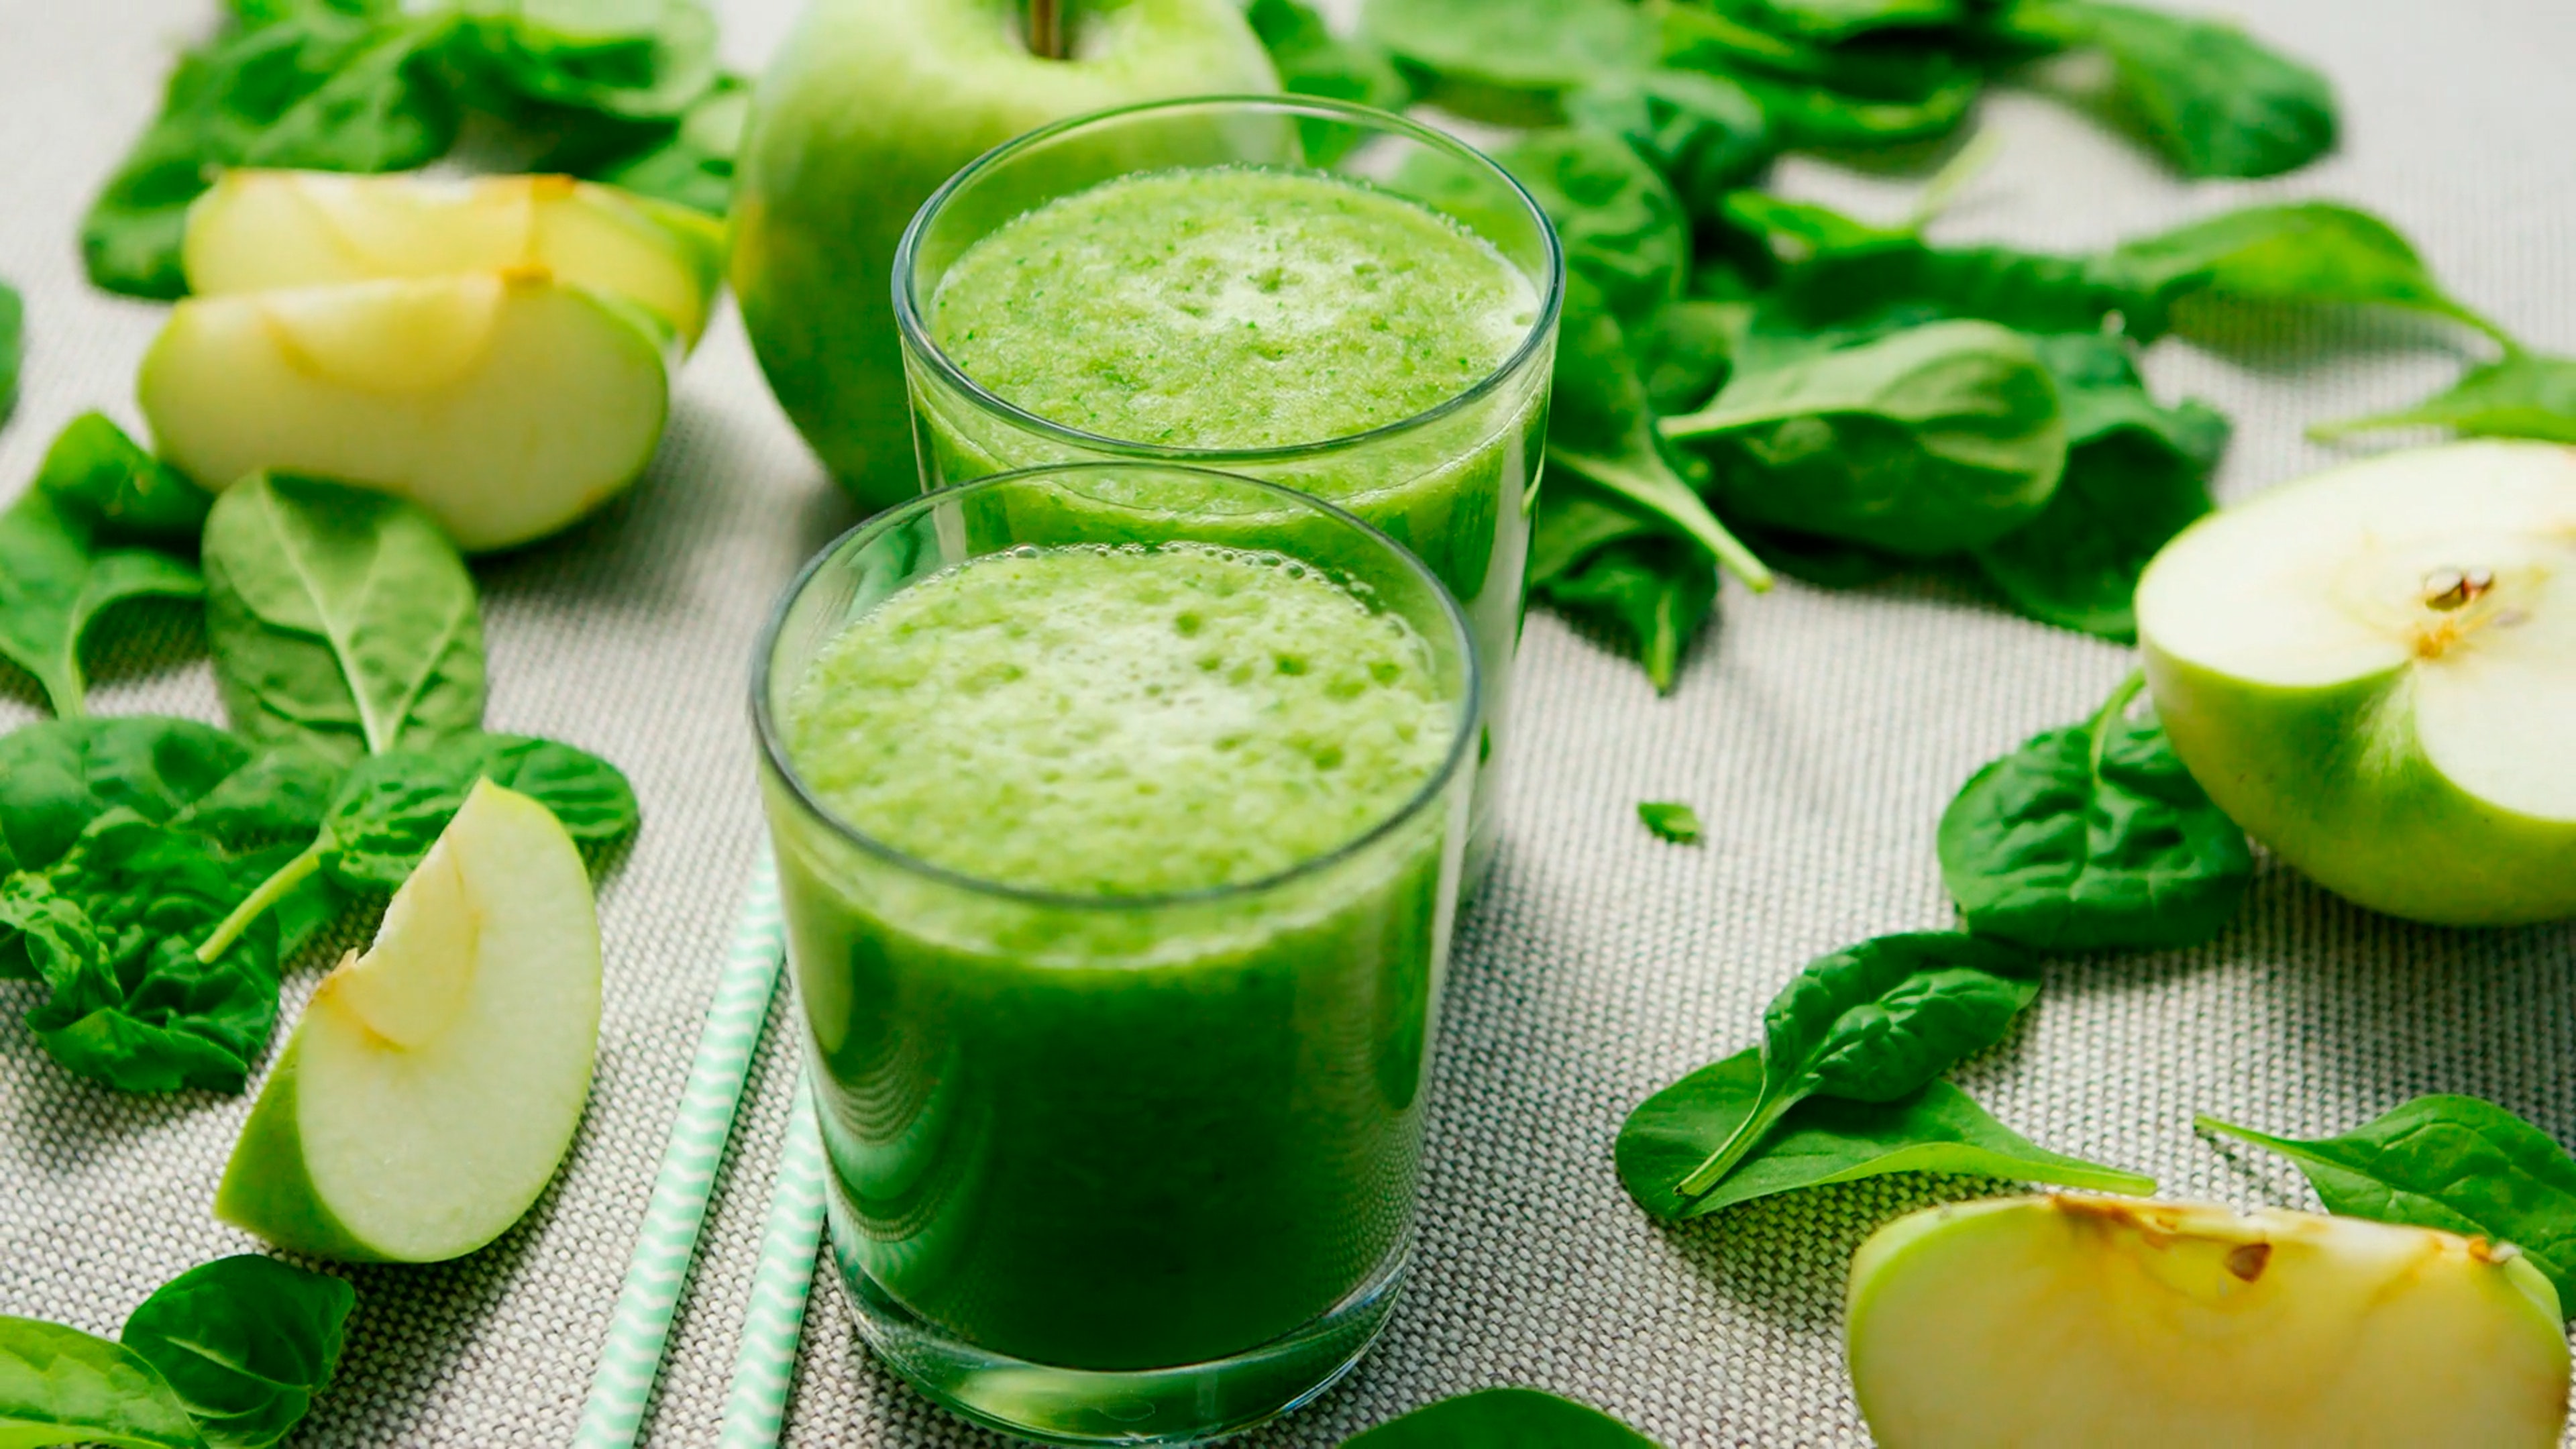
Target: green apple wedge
(2373,671)
(2112,1322)
(257,231)
(506,403)
(870,105)
(434,1083)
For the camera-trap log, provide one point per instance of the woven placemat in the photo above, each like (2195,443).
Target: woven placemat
(1818,733)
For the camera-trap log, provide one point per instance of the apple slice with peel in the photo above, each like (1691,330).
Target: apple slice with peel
(2111,1322)
(259,231)
(434,1083)
(2374,672)
(506,403)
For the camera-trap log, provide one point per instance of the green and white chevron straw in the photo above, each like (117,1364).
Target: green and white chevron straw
(764,1368)
(640,1325)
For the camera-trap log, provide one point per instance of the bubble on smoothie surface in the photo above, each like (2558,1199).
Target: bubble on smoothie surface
(1121,720)
(1231,307)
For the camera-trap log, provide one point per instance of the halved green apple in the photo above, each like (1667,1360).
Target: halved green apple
(259,231)
(435,1082)
(2115,1322)
(506,403)
(2374,672)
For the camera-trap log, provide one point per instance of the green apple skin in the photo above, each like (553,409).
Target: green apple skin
(266,1188)
(2332,781)
(871,105)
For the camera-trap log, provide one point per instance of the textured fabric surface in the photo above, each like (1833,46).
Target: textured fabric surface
(1818,733)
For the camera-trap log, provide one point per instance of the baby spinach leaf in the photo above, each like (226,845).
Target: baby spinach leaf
(12,346)
(245,1343)
(392,807)
(311,85)
(1502,1419)
(111,930)
(2299,254)
(1872,1023)
(1863,286)
(1596,557)
(279,794)
(2209,98)
(1313,61)
(341,619)
(1621,226)
(1671,820)
(1601,428)
(2137,473)
(1935,1128)
(689,163)
(2519,395)
(1507,61)
(1927,441)
(1789,232)
(637,60)
(1833,20)
(1821,117)
(61,1386)
(1825,562)
(99,476)
(1705,134)
(2093,838)
(58,776)
(1683,352)
(2460,1164)
(58,575)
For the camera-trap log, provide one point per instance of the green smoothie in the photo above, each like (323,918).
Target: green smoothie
(1089,1119)
(1287,321)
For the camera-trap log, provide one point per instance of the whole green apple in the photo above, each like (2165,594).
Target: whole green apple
(2374,672)
(869,107)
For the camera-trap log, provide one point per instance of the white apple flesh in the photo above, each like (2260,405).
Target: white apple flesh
(508,404)
(2112,1322)
(259,231)
(2374,672)
(872,104)
(434,1083)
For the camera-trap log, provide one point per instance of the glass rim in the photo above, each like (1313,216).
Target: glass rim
(913,327)
(781,759)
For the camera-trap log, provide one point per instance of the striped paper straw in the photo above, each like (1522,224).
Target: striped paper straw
(640,1325)
(764,1368)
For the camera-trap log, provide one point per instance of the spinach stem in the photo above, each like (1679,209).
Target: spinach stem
(1739,1145)
(1950,180)
(1700,525)
(272,890)
(2099,731)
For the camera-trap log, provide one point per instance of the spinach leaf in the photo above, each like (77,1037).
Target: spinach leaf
(2519,395)
(1872,1023)
(100,477)
(2299,254)
(59,572)
(245,1343)
(1825,562)
(392,807)
(310,85)
(689,163)
(1788,232)
(637,60)
(1705,134)
(13,319)
(1683,352)
(2205,95)
(280,794)
(1596,557)
(1601,428)
(2137,473)
(61,1386)
(1818,117)
(1858,286)
(1935,1128)
(341,619)
(1507,61)
(111,930)
(58,776)
(1313,61)
(1924,442)
(2093,838)
(1671,820)
(1502,1419)
(2460,1164)
(1621,226)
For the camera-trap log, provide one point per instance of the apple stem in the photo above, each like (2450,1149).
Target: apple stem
(1046,29)
(270,892)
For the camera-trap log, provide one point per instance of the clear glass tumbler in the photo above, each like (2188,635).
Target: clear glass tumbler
(1117,1169)
(1457,483)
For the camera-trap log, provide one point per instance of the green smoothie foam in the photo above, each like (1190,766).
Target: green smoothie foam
(1231,307)
(1120,721)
